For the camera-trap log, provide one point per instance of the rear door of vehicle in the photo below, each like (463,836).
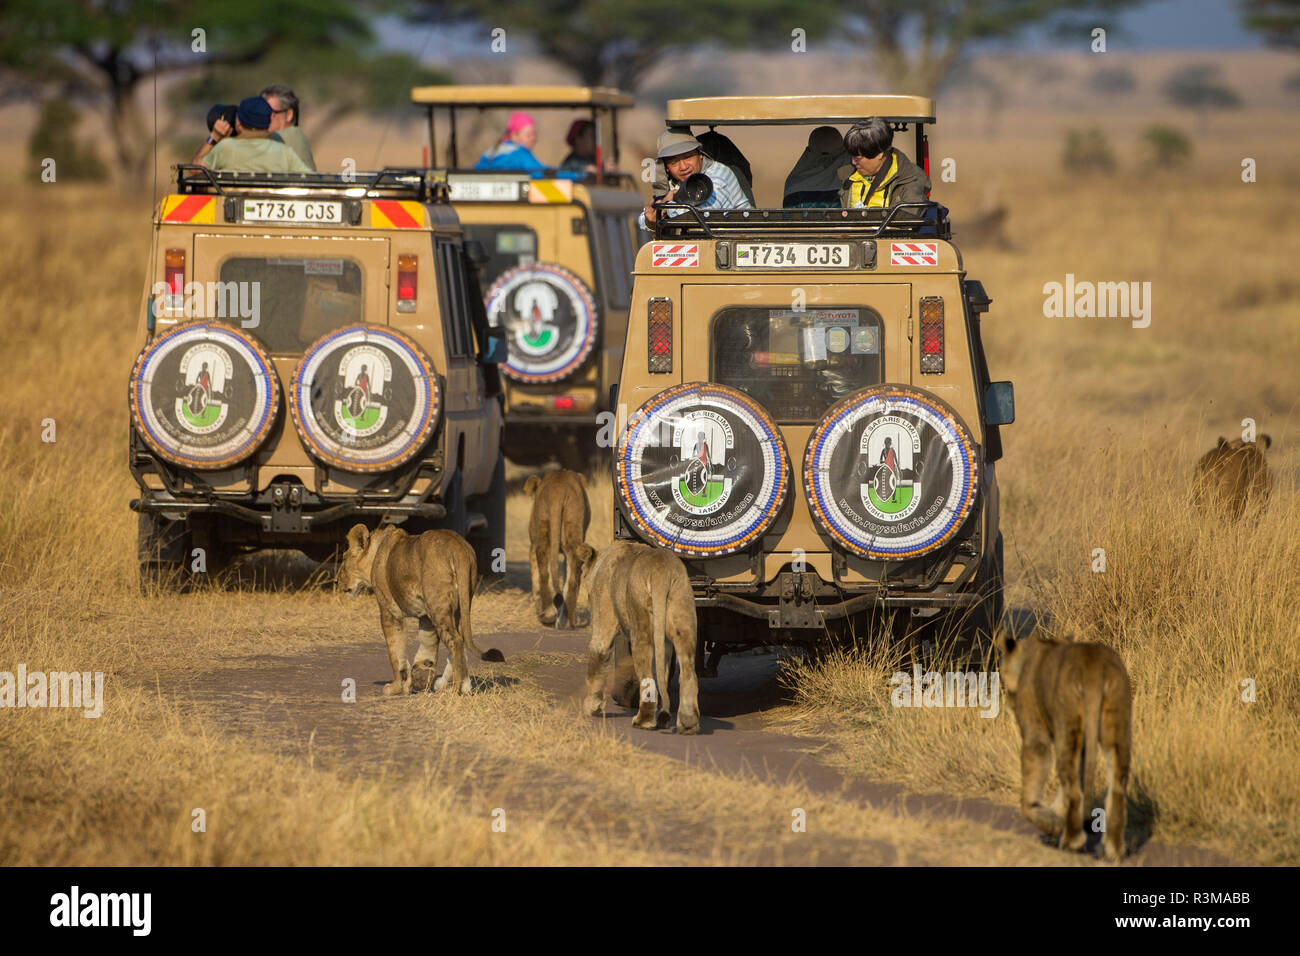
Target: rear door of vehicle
(299,288)
(797,348)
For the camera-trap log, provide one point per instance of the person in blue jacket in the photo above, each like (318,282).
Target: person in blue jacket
(514,151)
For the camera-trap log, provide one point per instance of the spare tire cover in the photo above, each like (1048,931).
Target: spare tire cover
(702,470)
(204,395)
(890,473)
(550,320)
(365,398)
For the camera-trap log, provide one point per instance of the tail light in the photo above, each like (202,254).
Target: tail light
(174,274)
(564,403)
(408,274)
(931,335)
(659,337)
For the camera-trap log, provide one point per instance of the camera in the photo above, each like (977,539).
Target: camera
(226,113)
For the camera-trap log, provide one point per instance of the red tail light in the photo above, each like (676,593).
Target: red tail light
(408,275)
(174,273)
(931,335)
(659,338)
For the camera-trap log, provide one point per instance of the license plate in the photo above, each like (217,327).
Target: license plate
(292,210)
(490,191)
(793,255)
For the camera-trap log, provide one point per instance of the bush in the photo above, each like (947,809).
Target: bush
(1166,147)
(55,137)
(1087,151)
(1113,81)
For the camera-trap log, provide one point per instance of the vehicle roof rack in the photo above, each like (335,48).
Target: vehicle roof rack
(390,182)
(906,220)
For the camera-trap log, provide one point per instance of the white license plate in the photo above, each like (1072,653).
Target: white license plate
(490,191)
(793,255)
(292,210)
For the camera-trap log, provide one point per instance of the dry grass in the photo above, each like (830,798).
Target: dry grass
(1110,421)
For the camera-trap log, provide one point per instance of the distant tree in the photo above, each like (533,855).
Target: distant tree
(1197,87)
(617,42)
(1278,20)
(1166,147)
(55,137)
(1113,81)
(1087,151)
(914,44)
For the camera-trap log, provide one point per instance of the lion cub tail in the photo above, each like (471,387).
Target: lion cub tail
(1091,735)
(466,584)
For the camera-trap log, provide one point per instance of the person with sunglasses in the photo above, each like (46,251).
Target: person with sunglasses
(882,176)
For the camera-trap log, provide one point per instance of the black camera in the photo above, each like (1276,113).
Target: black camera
(226,113)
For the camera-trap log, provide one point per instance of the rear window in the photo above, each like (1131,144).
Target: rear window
(298,300)
(797,364)
(506,246)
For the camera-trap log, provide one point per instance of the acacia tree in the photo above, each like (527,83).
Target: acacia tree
(107,49)
(916,44)
(616,42)
(1278,20)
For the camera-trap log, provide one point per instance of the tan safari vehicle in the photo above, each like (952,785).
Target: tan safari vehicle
(811,424)
(560,247)
(313,354)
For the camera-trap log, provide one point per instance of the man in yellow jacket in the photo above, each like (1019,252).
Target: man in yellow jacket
(882,175)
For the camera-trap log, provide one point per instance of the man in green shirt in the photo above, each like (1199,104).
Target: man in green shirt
(284,120)
(253,149)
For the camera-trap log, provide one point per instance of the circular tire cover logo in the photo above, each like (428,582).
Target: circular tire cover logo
(204,395)
(890,473)
(702,470)
(364,398)
(550,319)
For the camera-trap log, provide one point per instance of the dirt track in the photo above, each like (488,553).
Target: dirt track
(293,703)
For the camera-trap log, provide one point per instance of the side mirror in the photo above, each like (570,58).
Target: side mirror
(475,252)
(999,403)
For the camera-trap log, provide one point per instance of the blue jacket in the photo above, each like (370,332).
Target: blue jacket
(511,156)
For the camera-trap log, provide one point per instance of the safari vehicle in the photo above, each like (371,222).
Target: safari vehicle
(560,254)
(811,424)
(313,354)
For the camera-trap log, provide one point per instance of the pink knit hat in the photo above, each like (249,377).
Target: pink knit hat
(518,120)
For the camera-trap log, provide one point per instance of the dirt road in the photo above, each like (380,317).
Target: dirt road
(294,703)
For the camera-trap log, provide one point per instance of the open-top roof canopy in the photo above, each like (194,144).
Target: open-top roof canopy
(835,109)
(534,96)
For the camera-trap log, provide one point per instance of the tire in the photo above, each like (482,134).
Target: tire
(491,504)
(980,625)
(567,334)
(204,395)
(717,486)
(161,548)
(879,456)
(400,412)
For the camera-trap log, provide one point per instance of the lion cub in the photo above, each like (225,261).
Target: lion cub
(645,593)
(561,514)
(431,577)
(1070,700)
(1231,473)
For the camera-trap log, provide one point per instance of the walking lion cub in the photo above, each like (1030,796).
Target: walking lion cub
(431,577)
(559,520)
(1070,700)
(1233,473)
(645,593)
